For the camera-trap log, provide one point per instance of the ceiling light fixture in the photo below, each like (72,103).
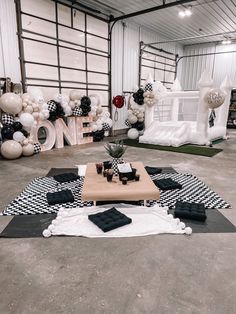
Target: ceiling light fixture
(186,11)
(226,41)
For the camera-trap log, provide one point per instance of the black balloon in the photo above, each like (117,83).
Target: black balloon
(7,132)
(17,126)
(138,96)
(138,125)
(98,136)
(25,133)
(58,113)
(85,101)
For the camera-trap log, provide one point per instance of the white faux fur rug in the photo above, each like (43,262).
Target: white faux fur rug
(145,221)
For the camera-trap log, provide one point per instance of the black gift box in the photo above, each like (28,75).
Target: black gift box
(129,175)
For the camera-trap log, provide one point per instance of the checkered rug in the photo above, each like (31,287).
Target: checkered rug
(33,198)
(193,190)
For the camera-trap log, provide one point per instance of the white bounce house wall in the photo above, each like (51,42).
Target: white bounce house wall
(183,116)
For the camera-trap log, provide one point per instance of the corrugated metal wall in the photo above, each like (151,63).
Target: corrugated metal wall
(125,60)
(219,65)
(9,52)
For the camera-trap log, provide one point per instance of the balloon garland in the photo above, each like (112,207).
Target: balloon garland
(22,112)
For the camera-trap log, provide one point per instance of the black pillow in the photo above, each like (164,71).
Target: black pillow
(195,211)
(109,219)
(153,170)
(167,184)
(61,197)
(66,177)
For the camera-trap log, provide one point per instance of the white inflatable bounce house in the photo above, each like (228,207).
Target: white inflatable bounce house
(182,126)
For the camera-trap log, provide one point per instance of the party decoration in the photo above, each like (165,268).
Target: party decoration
(17,126)
(85,105)
(28,150)
(77,111)
(215,98)
(7,119)
(11,103)
(27,120)
(52,106)
(37,148)
(18,136)
(133,134)
(118,101)
(75,95)
(139,97)
(11,149)
(7,132)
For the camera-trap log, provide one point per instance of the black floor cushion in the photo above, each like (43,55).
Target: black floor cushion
(110,219)
(153,170)
(60,197)
(66,177)
(167,184)
(195,211)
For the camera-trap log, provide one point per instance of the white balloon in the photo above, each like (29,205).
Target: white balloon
(18,136)
(133,134)
(94,127)
(44,106)
(26,119)
(11,149)
(109,122)
(11,103)
(100,127)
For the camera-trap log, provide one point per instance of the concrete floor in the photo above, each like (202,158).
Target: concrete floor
(163,274)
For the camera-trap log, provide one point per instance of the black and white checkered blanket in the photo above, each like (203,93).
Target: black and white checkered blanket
(33,198)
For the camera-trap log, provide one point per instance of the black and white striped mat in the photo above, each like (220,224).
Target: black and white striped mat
(33,198)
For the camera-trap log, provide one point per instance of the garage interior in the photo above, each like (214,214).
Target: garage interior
(102,50)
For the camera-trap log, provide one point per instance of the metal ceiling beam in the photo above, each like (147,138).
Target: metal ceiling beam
(156,8)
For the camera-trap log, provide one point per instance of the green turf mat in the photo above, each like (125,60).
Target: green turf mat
(186,149)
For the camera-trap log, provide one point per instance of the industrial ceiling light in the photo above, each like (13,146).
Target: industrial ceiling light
(187,11)
(226,41)
(182,14)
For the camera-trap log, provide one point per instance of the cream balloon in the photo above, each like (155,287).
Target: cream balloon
(28,150)
(29,109)
(11,149)
(75,94)
(132,118)
(11,103)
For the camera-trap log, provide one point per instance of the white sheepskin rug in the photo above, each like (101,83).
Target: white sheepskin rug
(145,221)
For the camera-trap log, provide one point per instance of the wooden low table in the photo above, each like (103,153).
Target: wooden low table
(96,188)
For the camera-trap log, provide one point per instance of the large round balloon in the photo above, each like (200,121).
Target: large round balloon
(26,119)
(133,134)
(118,101)
(11,149)
(18,136)
(215,98)
(7,132)
(28,150)
(75,94)
(11,103)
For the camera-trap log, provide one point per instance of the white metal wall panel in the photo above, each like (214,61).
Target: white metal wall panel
(219,65)
(9,55)
(125,60)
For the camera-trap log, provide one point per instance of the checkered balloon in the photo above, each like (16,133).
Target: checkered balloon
(105,126)
(52,106)
(7,119)
(77,111)
(148,87)
(128,124)
(37,148)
